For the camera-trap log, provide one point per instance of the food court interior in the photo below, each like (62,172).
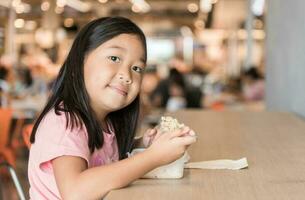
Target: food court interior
(210,55)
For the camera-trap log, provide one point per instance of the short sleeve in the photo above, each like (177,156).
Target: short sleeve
(53,140)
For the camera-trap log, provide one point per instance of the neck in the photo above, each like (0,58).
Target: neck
(104,126)
(102,118)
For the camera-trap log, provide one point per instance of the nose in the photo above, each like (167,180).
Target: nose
(125,78)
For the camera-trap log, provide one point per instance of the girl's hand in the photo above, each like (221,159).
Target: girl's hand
(168,147)
(146,140)
(152,134)
(148,137)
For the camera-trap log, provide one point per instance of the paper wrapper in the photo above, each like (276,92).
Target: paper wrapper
(219,164)
(175,169)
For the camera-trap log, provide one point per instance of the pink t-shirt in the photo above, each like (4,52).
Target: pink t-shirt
(53,140)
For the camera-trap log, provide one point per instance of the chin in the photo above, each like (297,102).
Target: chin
(114,106)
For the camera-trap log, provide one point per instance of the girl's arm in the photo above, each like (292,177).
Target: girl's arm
(75,181)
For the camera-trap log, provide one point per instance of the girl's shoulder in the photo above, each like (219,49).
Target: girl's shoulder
(53,139)
(59,118)
(54,125)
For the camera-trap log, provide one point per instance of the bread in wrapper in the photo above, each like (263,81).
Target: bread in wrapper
(173,170)
(169,124)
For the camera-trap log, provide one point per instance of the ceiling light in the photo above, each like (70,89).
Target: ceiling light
(15,3)
(140,5)
(68,22)
(79,5)
(258,7)
(199,24)
(19,9)
(135,8)
(45,6)
(61,3)
(205,6)
(192,7)
(59,10)
(19,23)
(186,31)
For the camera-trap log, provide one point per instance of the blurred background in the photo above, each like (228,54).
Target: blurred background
(216,55)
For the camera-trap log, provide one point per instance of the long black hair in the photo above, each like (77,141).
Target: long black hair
(70,96)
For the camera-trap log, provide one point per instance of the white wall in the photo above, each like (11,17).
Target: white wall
(285,56)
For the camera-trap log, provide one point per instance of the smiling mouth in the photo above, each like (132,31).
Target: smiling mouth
(118,90)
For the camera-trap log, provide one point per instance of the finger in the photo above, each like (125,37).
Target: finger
(147,132)
(190,133)
(180,132)
(152,132)
(151,135)
(186,141)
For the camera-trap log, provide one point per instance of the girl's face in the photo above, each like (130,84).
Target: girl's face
(113,73)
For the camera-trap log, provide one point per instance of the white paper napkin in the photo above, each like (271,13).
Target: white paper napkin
(218,164)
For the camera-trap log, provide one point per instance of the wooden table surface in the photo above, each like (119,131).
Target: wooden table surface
(273,142)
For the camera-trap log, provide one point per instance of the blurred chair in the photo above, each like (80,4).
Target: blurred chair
(15,179)
(6,151)
(26,134)
(7,156)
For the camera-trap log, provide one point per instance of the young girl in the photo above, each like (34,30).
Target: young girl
(81,138)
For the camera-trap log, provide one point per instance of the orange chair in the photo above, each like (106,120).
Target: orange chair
(5,122)
(26,133)
(7,156)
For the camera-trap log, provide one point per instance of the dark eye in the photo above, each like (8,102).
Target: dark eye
(137,69)
(114,59)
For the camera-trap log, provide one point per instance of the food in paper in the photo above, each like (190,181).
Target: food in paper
(174,169)
(169,124)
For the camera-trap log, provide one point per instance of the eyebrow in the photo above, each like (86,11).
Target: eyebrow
(117,47)
(124,49)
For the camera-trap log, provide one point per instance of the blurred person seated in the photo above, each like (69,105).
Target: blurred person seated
(173,93)
(40,81)
(177,94)
(178,63)
(4,86)
(149,83)
(6,79)
(232,91)
(23,81)
(32,71)
(253,88)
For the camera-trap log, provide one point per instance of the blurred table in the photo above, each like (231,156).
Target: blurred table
(28,107)
(274,144)
(24,111)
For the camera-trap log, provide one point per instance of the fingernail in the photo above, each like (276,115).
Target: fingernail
(186,129)
(192,133)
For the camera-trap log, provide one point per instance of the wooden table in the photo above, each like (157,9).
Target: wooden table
(274,144)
